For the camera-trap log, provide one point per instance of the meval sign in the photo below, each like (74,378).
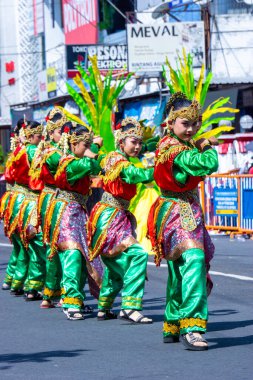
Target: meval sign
(150,44)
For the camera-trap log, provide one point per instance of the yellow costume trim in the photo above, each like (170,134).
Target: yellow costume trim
(3,205)
(100,241)
(62,165)
(51,293)
(72,301)
(165,155)
(113,164)
(171,328)
(20,153)
(191,322)
(57,226)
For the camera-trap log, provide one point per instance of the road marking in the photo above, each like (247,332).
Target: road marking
(5,245)
(214,273)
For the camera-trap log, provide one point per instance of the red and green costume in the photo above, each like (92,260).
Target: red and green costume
(46,171)
(23,224)
(177,232)
(67,217)
(5,215)
(111,233)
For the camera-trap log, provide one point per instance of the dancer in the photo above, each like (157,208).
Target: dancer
(176,225)
(43,168)
(68,217)
(5,212)
(111,227)
(30,268)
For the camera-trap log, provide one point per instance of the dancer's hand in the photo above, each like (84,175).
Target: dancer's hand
(90,154)
(98,140)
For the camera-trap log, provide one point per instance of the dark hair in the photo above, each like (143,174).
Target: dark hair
(19,125)
(33,124)
(177,103)
(78,129)
(127,127)
(57,116)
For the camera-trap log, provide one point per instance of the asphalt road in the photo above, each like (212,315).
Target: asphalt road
(43,344)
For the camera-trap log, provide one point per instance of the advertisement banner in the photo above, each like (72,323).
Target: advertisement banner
(108,56)
(38,16)
(51,82)
(231,48)
(225,201)
(150,44)
(42,84)
(80,21)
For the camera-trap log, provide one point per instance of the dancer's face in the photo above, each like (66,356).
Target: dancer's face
(185,129)
(131,146)
(35,139)
(79,149)
(56,135)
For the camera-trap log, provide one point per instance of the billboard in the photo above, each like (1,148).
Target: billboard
(80,21)
(150,44)
(108,57)
(231,48)
(51,82)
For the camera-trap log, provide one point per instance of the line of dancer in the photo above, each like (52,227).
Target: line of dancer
(57,246)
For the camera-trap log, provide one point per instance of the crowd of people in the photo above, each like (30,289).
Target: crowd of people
(57,246)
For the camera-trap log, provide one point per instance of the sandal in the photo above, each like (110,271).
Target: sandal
(75,315)
(171,339)
(6,286)
(105,315)
(17,292)
(129,316)
(86,309)
(35,296)
(46,304)
(189,342)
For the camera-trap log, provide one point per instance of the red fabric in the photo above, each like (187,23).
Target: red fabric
(163,173)
(46,176)
(21,168)
(8,175)
(251,170)
(121,189)
(81,186)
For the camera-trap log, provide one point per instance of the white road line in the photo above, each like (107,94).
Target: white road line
(214,273)
(5,245)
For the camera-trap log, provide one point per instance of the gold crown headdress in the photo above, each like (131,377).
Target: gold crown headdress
(28,131)
(136,131)
(73,138)
(52,125)
(191,113)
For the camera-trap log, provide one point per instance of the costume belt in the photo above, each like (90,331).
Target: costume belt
(28,193)
(115,201)
(71,196)
(9,186)
(187,218)
(49,189)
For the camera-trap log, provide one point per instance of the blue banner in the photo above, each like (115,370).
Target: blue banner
(225,201)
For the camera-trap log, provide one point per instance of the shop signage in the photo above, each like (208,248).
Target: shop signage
(108,57)
(80,21)
(150,44)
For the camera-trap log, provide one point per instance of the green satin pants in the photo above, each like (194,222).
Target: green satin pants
(10,271)
(53,278)
(31,266)
(74,275)
(186,305)
(126,273)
